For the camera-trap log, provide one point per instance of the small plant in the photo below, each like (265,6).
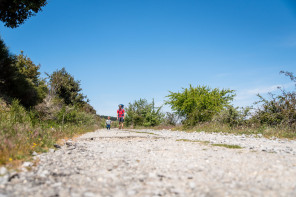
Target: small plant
(187,140)
(228,146)
(144,132)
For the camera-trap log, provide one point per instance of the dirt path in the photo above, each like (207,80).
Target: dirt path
(160,163)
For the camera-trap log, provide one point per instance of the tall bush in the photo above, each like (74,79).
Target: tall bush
(142,113)
(278,109)
(199,104)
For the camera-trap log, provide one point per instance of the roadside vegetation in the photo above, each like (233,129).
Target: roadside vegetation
(202,108)
(34,112)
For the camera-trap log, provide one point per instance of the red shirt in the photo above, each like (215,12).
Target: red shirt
(120,113)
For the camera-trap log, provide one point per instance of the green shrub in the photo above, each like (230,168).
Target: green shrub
(199,104)
(278,110)
(142,113)
(233,116)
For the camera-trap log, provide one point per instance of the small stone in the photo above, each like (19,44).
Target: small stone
(57,146)
(27,164)
(131,192)
(44,173)
(34,153)
(3,180)
(51,150)
(88,194)
(192,185)
(3,171)
(15,175)
(58,184)
(69,143)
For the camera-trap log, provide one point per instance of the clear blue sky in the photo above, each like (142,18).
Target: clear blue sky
(123,50)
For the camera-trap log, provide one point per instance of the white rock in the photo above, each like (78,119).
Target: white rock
(3,171)
(27,164)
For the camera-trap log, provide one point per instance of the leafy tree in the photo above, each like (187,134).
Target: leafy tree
(142,113)
(27,68)
(199,104)
(66,87)
(8,71)
(20,78)
(15,12)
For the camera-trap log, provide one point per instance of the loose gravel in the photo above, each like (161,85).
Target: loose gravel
(158,163)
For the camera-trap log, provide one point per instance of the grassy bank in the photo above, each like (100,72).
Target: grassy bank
(22,132)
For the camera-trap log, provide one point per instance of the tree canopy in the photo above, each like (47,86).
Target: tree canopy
(20,78)
(14,12)
(66,87)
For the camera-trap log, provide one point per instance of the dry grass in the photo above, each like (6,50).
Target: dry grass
(208,143)
(21,134)
(15,149)
(143,132)
(268,132)
(199,141)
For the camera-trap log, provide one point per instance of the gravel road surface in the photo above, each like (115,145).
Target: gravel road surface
(158,163)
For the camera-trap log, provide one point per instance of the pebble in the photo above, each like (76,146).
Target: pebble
(3,171)
(57,146)
(27,164)
(69,143)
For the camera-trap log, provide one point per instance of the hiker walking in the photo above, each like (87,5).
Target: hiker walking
(120,115)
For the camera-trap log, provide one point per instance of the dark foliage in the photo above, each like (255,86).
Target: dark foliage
(66,87)
(20,78)
(14,12)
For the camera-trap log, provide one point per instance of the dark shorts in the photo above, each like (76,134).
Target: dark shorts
(121,119)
